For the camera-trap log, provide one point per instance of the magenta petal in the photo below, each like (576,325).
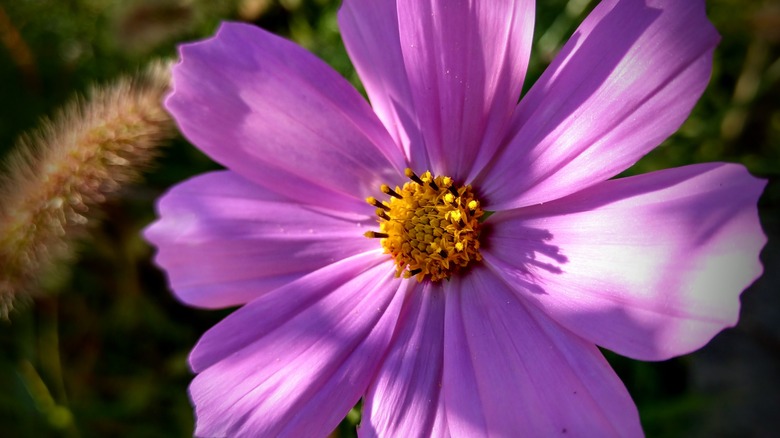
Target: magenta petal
(509,368)
(224,240)
(275,114)
(294,361)
(650,266)
(624,82)
(370,33)
(404,399)
(465,63)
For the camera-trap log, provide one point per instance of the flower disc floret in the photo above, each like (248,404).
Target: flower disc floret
(429,226)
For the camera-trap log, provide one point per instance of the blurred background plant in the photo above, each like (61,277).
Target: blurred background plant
(101,349)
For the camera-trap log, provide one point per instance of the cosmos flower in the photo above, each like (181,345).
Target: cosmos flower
(447,255)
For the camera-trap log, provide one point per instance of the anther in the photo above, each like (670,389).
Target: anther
(377,235)
(414,272)
(429,179)
(412,176)
(373,201)
(388,191)
(381,213)
(454,191)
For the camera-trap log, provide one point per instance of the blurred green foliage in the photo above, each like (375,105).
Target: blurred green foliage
(103,352)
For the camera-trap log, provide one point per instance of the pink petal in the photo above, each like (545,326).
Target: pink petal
(370,33)
(624,82)
(509,370)
(404,399)
(465,62)
(294,361)
(650,266)
(224,240)
(280,117)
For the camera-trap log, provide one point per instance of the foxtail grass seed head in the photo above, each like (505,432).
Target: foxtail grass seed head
(57,174)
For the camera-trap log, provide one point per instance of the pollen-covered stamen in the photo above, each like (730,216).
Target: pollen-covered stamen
(412,273)
(412,176)
(429,226)
(388,191)
(373,201)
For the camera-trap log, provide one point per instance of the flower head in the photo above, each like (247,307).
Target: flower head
(446,254)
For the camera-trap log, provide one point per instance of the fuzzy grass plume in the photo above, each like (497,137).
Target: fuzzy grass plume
(57,175)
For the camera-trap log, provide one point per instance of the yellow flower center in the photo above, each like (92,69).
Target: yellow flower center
(429,226)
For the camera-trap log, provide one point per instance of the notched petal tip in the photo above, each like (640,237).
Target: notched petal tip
(654,264)
(223,240)
(271,111)
(624,82)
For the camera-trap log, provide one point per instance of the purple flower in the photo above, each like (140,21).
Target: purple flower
(445,318)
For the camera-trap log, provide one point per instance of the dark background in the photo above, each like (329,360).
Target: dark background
(103,351)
